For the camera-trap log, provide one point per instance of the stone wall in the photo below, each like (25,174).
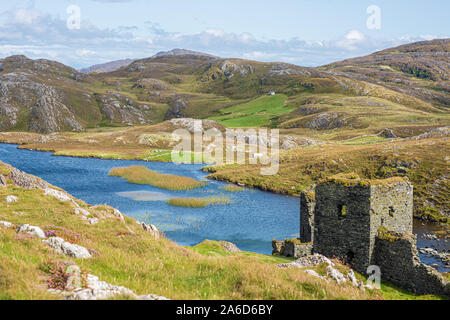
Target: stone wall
(291,248)
(307,207)
(348,216)
(396,255)
(342,224)
(391,206)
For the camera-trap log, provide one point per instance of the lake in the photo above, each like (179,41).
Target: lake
(251,221)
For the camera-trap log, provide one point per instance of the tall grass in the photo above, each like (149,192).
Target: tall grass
(143,175)
(198,202)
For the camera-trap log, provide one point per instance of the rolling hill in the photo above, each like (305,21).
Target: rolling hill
(403,86)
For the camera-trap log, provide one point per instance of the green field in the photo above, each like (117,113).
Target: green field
(256,113)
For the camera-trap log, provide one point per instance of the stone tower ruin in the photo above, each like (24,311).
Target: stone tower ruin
(349,212)
(364,223)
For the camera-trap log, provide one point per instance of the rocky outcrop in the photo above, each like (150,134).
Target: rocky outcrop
(80,286)
(11,199)
(229,247)
(195,126)
(63,247)
(176,110)
(119,108)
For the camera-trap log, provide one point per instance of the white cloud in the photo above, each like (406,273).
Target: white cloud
(37,35)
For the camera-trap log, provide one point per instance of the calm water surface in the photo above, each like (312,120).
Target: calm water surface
(251,221)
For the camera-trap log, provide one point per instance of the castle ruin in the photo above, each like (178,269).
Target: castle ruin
(364,223)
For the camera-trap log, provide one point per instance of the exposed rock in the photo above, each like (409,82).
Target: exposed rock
(388,134)
(229,247)
(60,195)
(97,290)
(336,275)
(196,126)
(119,215)
(177,110)
(122,109)
(6,224)
(64,247)
(11,199)
(230,68)
(83,212)
(150,228)
(315,274)
(24,180)
(93,221)
(33,230)
(309,261)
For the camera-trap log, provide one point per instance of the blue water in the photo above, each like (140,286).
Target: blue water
(251,221)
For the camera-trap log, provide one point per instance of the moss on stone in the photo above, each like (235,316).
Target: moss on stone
(353,180)
(385,234)
(294,241)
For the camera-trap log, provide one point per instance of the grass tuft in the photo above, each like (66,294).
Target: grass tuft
(198,202)
(142,175)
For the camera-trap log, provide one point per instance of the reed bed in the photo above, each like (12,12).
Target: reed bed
(198,202)
(143,175)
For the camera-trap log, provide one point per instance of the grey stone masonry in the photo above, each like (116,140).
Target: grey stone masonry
(307,207)
(348,214)
(396,255)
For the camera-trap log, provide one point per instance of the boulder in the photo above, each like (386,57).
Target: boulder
(69,249)
(11,199)
(229,247)
(6,224)
(96,289)
(33,230)
(61,196)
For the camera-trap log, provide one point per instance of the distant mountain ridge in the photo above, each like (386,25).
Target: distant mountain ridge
(108,67)
(182,52)
(46,96)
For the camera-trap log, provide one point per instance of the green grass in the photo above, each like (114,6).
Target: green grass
(198,202)
(365,140)
(143,175)
(256,113)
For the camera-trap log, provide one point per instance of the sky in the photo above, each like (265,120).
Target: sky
(81,33)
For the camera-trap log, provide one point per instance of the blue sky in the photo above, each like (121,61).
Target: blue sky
(304,32)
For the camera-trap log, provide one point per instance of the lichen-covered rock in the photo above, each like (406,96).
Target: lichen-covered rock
(229,247)
(33,230)
(336,275)
(150,228)
(6,224)
(11,199)
(60,195)
(119,215)
(69,249)
(309,261)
